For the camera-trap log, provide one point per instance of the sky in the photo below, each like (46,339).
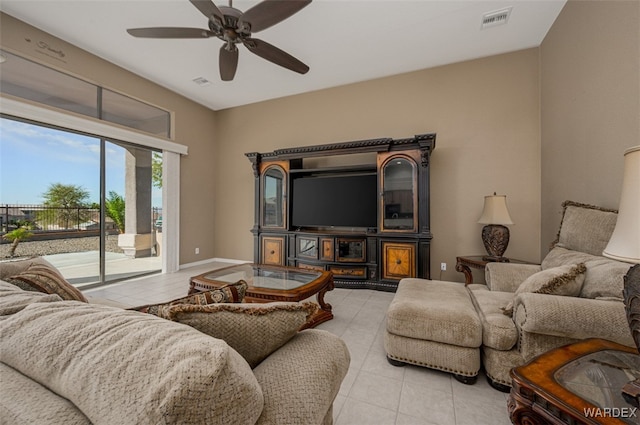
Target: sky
(33,157)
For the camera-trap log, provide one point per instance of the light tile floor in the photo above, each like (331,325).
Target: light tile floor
(373,392)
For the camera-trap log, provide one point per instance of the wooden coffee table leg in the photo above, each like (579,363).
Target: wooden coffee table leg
(324,313)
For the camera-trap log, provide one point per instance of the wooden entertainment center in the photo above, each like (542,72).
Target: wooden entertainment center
(367,221)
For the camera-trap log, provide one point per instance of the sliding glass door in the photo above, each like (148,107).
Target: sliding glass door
(88,205)
(133,208)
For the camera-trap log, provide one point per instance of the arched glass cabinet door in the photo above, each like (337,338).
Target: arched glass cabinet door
(399,195)
(273,195)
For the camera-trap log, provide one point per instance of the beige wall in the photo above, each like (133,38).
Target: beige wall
(590,104)
(194,125)
(486,116)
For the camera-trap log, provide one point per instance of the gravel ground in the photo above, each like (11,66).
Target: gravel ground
(59,246)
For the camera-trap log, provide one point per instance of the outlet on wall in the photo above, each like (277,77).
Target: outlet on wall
(197,250)
(443,267)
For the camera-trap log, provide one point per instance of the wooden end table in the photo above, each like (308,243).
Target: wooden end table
(464,265)
(267,283)
(579,383)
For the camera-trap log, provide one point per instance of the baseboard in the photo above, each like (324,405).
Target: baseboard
(231,260)
(211,260)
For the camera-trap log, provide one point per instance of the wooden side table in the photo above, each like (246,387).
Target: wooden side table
(578,384)
(466,263)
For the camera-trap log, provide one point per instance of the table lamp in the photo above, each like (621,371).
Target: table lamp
(624,244)
(495,235)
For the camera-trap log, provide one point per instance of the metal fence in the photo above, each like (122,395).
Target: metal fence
(44,218)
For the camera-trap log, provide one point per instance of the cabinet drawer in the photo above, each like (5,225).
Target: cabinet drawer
(273,250)
(398,260)
(326,249)
(310,266)
(359,272)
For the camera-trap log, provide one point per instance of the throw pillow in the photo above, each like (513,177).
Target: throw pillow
(253,330)
(231,293)
(564,280)
(16,266)
(43,278)
(585,228)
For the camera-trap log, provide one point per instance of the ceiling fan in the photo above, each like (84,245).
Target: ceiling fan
(234,27)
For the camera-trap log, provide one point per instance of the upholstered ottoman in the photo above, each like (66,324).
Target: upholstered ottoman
(432,323)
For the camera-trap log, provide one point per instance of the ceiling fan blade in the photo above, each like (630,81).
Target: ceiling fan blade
(228,62)
(170,32)
(270,12)
(275,55)
(208,9)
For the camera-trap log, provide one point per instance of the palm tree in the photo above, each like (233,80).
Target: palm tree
(16,236)
(115,209)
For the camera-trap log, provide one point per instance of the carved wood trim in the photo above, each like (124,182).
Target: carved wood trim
(254,158)
(424,142)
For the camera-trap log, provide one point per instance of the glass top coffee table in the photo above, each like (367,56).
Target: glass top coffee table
(580,383)
(267,283)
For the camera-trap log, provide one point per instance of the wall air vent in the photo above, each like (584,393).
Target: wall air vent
(201,81)
(493,19)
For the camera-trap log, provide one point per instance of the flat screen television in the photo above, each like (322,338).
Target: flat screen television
(335,201)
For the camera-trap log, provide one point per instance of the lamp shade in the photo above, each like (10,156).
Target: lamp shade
(495,210)
(624,244)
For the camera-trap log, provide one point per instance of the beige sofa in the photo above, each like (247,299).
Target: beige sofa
(592,308)
(72,362)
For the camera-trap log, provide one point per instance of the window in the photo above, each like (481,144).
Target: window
(29,80)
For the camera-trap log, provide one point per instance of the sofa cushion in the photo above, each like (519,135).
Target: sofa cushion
(498,331)
(433,310)
(253,330)
(231,293)
(564,280)
(46,279)
(14,299)
(604,279)
(559,256)
(120,366)
(26,402)
(604,276)
(506,277)
(585,228)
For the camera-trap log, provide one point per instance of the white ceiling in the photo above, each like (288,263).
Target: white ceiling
(342,41)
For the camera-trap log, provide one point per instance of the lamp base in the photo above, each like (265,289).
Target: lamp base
(496,239)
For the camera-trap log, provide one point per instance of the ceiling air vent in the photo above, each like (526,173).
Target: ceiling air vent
(201,81)
(493,19)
